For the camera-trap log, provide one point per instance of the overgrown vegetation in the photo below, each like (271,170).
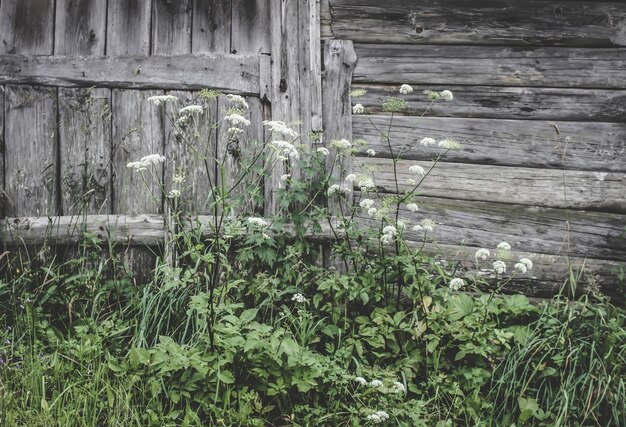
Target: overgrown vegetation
(253,324)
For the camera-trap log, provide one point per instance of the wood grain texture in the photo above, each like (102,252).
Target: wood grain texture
(85,150)
(250,27)
(491,65)
(601,191)
(2,151)
(27,27)
(528,229)
(190,152)
(171,27)
(503,22)
(31,147)
(588,105)
(138,131)
(225,72)
(535,144)
(80,27)
(211,26)
(128,27)
(339,62)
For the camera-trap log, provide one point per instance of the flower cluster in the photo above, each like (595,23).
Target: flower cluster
(523,266)
(299,298)
(286,150)
(257,222)
(161,99)
(388,235)
(277,126)
(190,109)
(446,95)
(323,151)
(405,89)
(426,225)
(456,284)
(236,119)
(378,417)
(341,144)
(145,162)
(238,100)
(358,109)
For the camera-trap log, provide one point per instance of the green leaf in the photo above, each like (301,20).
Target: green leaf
(460,306)
(226,377)
(528,408)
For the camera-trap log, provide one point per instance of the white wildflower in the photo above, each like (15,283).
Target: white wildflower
(280,127)
(520,268)
(503,246)
(370,152)
(499,267)
(237,120)
(237,99)
(378,417)
(446,95)
(366,203)
(257,222)
(160,99)
(182,121)
(412,207)
(361,380)
(191,109)
(235,131)
(482,253)
(456,284)
(428,224)
(528,263)
(178,178)
(333,189)
(417,170)
(358,109)
(341,144)
(173,194)
(350,178)
(427,141)
(299,298)
(375,383)
(146,161)
(285,177)
(417,228)
(401,225)
(285,150)
(323,151)
(390,229)
(411,181)
(371,212)
(386,239)
(399,387)
(449,144)
(357,92)
(366,183)
(406,89)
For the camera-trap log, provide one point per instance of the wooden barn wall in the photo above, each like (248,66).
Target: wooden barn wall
(539,106)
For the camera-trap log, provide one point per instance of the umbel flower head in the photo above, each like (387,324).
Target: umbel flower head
(145,162)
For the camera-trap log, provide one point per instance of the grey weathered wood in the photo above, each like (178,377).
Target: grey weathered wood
(31,147)
(211,26)
(524,143)
(339,62)
(250,24)
(80,27)
(171,27)
(507,102)
(2,151)
(227,72)
(190,152)
(526,228)
(26,26)
(509,22)
(128,27)
(85,150)
(604,191)
(491,65)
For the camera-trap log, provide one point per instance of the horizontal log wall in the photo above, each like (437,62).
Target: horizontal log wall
(539,107)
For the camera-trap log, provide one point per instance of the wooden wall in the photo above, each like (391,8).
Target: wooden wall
(540,108)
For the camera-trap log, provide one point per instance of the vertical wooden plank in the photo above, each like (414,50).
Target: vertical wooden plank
(31,151)
(250,27)
(85,150)
(310,69)
(138,131)
(80,27)
(211,26)
(128,28)
(171,27)
(190,153)
(339,62)
(2,187)
(26,27)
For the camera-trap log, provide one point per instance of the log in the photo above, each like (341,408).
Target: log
(504,22)
(239,74)
(491,66)
(596,147)
(80,27)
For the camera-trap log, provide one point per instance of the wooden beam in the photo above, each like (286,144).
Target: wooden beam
(491,65)
(586,105)
(525,143)
(503,22)
(232,73)
(604,191)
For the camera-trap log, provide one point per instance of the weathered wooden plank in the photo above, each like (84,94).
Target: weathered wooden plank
(138,131)
(31,147)
(190,152)
(503,22)
(26,27)
(171,27)
(211,26)
(226,72)
(507,102)
(491,65)
(604,191)
(85,150)
(339,62)
(250,27)
(128,27)
(526,228)
(535,144)
(2,151)
(80,27)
